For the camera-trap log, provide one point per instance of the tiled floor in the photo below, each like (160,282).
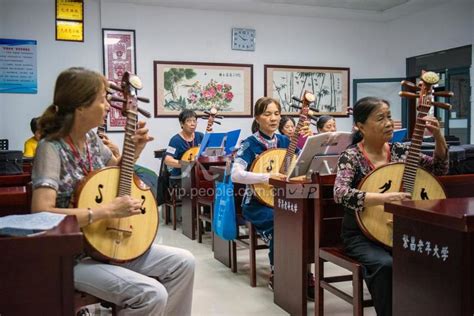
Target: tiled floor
(218,291)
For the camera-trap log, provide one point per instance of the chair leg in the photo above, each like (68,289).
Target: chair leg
(319,295)
(199,223)
(166,214)
(358,295)
(233,256)
(252,249)
(174,215)
(211,211)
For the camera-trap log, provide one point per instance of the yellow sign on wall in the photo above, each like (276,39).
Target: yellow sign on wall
(69,31)
(69,10)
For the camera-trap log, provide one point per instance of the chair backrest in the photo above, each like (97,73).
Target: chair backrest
(328,214)
(3,144)
(457,186)
(162,192)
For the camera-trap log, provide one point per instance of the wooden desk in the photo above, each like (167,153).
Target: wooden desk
(293,243)
(15,180)
(37,272)
(434,279)
(14,200)
(189,184)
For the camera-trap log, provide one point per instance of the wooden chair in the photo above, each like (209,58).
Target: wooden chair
(328,248)
(82,300)
(168,199)
(249,241)
(204,203)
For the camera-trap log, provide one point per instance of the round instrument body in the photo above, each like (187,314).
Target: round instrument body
(190,154)
(373,221)
(117,239)
(269,161)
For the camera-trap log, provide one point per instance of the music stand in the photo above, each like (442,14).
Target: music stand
(320,154)
(218,144)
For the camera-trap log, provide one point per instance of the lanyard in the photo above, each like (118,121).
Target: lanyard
(272,143)
(77,157)
(371,165)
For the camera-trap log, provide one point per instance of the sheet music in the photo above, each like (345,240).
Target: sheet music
(24,225)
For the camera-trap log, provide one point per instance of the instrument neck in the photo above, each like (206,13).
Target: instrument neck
(413,157)
(128,155)
(291,150)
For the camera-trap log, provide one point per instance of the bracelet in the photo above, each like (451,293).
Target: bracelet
(90,215)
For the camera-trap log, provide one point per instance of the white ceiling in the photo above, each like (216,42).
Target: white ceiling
(375,10)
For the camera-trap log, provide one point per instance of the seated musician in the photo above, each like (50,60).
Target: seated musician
(160,282)
(371,149)
(326,123)
(31,143)
(267,117)
(287,127)
(180,143)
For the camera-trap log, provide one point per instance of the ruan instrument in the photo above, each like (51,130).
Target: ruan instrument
(211,116)
(403,177)
(120,239)
(280,160)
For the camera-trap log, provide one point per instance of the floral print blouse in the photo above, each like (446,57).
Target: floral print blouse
(55,166)
(352,167)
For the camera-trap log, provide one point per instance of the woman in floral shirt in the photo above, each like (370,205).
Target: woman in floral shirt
(371,149)
(160,281)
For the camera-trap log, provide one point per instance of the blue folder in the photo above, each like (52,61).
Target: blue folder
(399,135)
(217,140)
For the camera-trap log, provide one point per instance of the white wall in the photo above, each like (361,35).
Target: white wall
(196,35)
(433,29)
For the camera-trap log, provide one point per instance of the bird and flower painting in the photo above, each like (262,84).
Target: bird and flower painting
(201,86)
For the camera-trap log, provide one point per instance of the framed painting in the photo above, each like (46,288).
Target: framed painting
(201,86)
(329,85)
(119,56)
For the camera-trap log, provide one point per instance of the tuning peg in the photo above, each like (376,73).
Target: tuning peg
(407,94)
(114,86)
(295,98)
(295,106)
(114,98)
(144,100)
(442,105)
(144,112)
(409,85)
(445,94)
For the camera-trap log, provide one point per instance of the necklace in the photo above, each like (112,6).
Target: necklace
(371,165)
(77,156)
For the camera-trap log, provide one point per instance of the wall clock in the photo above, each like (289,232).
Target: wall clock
(243,39)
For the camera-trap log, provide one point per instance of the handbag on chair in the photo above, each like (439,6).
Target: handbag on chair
(224,221)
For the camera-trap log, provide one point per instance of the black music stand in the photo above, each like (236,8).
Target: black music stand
(320,154)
